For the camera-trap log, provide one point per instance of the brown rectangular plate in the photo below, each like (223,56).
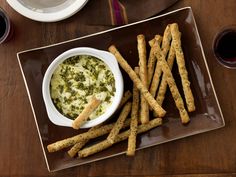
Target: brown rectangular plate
(208,115)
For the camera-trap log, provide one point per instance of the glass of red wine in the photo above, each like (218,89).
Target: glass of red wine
(5,27)
(225,46)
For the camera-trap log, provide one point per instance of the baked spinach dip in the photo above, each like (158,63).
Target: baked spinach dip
(77,80)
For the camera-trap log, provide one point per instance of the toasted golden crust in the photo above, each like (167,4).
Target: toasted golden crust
(134,120)
(163,85)
(156,75)
(181,66)
(105,129)
(84,115)
(165,47)
(122,136)
(144,91)
(158,71)
(75,149)
(152,59)
(172,85)
(151,42)
(144,110)
(119,123)
(95,148)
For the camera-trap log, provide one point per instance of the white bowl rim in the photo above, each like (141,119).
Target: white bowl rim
(54,115)
(47,17)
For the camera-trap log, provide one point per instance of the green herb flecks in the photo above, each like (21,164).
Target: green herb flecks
(79,78)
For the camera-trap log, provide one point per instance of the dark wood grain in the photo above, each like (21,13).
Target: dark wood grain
(210,154)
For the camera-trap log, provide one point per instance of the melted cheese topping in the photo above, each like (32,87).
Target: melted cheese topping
(77,80)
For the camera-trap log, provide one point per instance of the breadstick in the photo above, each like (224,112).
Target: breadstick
(163,85)
(134,120)
(166,41)
(127,95)
(181,66)
(158,71)
(151,101)
(122,136)
(152,58)
(172,85)
(156,75)
(83,137)
(84,115)
(144,110)
(151,42)
(75,149)
(119,123)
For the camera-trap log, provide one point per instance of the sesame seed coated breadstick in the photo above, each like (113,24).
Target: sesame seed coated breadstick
(144,110)
(158,71)
(163,85)
(151,101)
(84,115)
(105,129)
(172,85)
(151,42)
(156,75)
(165,47)
(134,120)
(181,66)
(152,58)
(98,147)
(119,123)
(122,136)
(74,150)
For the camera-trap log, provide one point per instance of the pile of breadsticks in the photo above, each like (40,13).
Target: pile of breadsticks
(150,81)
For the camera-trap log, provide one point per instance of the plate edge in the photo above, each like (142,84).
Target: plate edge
(207,68)
(34,115)
(148,146)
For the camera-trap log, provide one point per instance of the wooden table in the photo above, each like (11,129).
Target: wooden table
(211,154)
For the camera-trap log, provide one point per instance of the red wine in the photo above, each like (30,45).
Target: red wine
(226,46)
(3,26)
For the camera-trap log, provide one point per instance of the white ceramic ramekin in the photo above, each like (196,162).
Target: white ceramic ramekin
(54,115)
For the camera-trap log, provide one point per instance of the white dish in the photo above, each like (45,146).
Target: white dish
(54,115)
(47,10)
